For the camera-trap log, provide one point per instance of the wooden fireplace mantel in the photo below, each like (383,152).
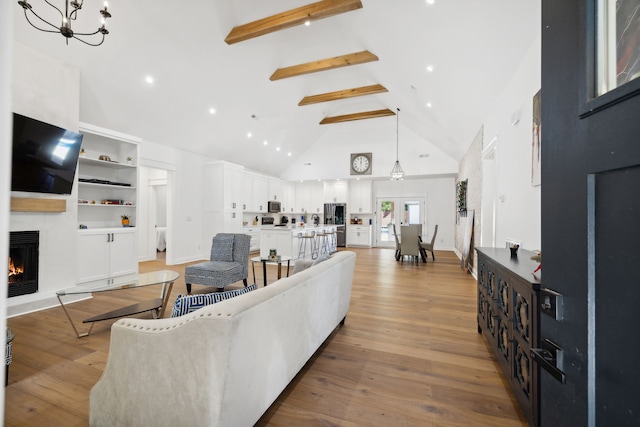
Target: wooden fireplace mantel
(24,204)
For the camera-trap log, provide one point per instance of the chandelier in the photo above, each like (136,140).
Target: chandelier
(71,9)
(397,173)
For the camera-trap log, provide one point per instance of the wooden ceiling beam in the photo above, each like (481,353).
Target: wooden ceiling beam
(291,18)
(357,116)
(324,65)
(343,94)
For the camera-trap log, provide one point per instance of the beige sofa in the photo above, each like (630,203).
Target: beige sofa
(225,364)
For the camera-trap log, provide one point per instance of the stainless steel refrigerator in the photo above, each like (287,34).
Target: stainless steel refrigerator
(336,214)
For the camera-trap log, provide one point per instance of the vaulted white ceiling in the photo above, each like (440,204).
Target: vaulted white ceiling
(474,47)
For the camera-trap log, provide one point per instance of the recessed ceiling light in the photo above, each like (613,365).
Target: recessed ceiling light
(307,22)
(430,68)
(265,142)
(429,104)
(277,148)
(249,135)
(289,154)
(431,1)
(212,110)
(149,79)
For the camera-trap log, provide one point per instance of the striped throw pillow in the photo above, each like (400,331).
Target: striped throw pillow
(187,303)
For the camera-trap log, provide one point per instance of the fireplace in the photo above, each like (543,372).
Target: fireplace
(23,262)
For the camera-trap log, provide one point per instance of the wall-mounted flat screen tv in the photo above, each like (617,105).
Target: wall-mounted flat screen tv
(44,156)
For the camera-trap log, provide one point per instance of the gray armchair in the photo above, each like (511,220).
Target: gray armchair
(228,264)
(429,246)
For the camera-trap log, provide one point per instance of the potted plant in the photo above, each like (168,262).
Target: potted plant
(129,160)
(125,220)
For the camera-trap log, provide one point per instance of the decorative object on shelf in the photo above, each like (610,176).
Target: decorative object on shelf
(104,158)
(129,161)
(125,220)
(461,198)
(514,250)
(397,173)
(71,9)
(82,152)
(82,227)
(361,163)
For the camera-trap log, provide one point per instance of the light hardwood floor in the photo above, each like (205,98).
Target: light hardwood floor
(408,355)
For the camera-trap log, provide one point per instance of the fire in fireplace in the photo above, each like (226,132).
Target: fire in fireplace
(23,263)
(16,268)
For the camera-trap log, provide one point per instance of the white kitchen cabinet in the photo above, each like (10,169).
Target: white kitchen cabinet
(223,187)
(359,235)
(254,233)
(310,197)
(260,193)
(360,197)
(106,253)
(289,197)
(280,240)
(247,193)
(276,190)
(303,197)
(317,198)
(335,192)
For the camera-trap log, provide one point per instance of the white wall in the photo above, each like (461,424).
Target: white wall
(6,43)
(330,155)
(518,214)
(440,198)
(48,90)
(184,199)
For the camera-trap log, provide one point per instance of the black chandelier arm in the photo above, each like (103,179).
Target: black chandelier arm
(88,34)
(86,42)
(53,6)
(57,30)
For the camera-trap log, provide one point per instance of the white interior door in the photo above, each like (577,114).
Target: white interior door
(398,211)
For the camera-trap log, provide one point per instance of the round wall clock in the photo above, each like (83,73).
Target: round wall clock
(361,164)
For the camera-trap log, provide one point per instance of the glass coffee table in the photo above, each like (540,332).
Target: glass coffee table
(266,261)
(157,306)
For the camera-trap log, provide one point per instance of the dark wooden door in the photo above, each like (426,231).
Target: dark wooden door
(590,225)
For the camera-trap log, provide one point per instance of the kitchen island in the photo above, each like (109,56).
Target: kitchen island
(286,240)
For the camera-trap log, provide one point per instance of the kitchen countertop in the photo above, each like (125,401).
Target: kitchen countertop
(295,229)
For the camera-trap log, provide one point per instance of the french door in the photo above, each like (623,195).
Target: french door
(398,211)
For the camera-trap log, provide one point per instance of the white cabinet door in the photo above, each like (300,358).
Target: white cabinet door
(122,254)
(359,235)
(93,257)
(360,197)
(260,193)
(335,192)
(289,197)
(232,222)
(247,194)
(275,190)
(316,200)
(303,198)
(233,184)
(106,253)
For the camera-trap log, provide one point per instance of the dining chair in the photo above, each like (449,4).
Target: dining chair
(409,243)
(395,235)
(428,247)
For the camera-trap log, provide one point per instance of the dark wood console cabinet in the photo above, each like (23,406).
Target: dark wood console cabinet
(508,317)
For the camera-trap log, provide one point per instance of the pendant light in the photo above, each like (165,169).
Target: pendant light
(397,173)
